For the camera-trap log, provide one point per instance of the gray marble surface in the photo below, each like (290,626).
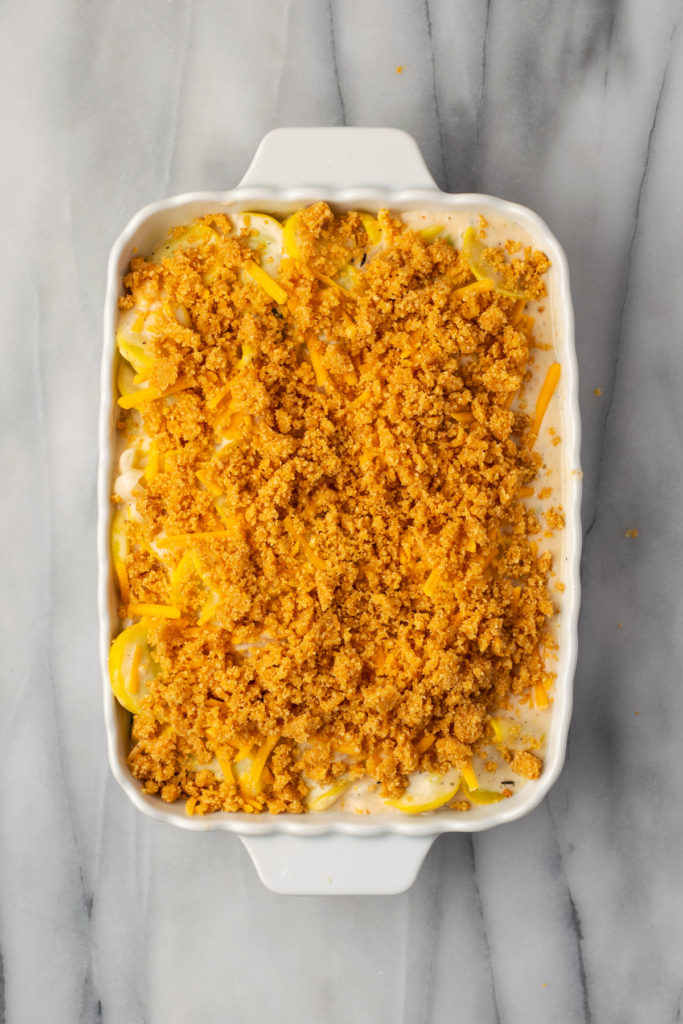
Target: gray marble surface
(573,914)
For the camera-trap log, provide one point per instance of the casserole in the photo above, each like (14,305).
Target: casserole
(341,852)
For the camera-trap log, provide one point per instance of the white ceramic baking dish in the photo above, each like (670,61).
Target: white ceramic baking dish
(362,168)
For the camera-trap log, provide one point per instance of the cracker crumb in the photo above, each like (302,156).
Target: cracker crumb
(527,764)
(633,532)
(555,518)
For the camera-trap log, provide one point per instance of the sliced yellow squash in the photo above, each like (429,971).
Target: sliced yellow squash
(133,352)
(474,248)
(125,378)
(429,234)
(289,236)
(195,235)
(468,776)
(119,552)
(131,666)
(371,225)
(426,791)
(321,797)
(480,796)
(504,729)
(265,238)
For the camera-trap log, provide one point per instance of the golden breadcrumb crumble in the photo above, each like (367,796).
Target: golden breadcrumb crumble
(331,502)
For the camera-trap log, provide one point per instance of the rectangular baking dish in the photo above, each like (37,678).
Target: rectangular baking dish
(360,168)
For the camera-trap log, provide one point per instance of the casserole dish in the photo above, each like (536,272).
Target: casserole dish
(337,851)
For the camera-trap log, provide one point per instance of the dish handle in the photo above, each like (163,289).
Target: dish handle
(337,865)
(386,158)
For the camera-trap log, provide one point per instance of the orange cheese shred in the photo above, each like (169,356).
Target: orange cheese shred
(137,398)
(159,611)
(265,281)
(541,696)
(122,577)
(546,393)
(485,285)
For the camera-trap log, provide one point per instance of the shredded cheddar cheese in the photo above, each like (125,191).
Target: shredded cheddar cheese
(138,398)
(162,611)
(546,393)
(266,282)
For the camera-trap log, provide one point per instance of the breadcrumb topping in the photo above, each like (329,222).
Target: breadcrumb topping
(334,507)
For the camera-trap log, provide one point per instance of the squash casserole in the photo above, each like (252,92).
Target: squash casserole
(329,573)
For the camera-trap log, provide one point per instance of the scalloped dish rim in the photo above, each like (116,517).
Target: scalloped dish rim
(139,232)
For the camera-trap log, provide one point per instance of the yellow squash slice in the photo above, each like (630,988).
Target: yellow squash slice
(131,666)
(195,235)
(474,248)
(264,238)
(321,797)
(119,552)
(427,791)
(480,796)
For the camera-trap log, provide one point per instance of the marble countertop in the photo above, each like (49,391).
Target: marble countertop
(575,913)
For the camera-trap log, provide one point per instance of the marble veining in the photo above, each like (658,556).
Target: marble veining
(573,914)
